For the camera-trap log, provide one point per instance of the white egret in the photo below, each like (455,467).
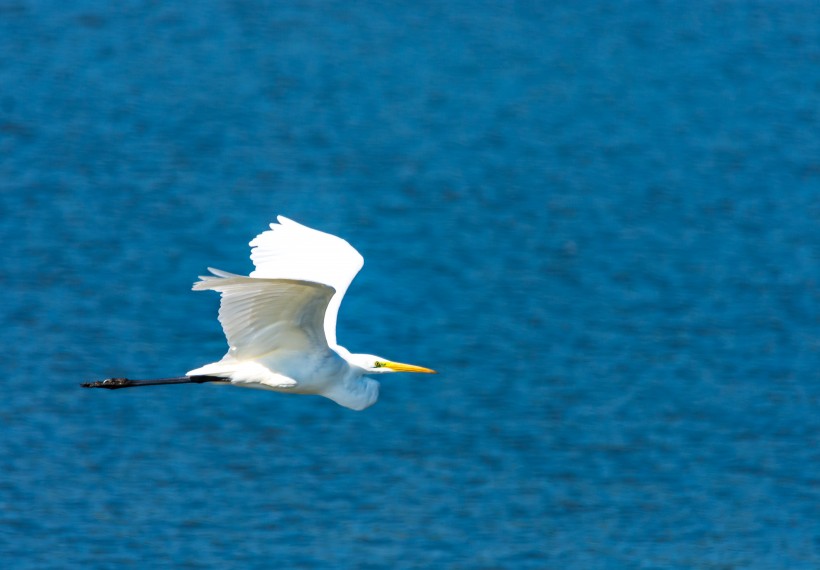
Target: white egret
(280,322)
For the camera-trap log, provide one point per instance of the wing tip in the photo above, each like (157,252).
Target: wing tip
(207,281)
(223,274)
(259,240)
(287,247)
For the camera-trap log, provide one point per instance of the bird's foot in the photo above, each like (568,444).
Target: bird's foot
(110,383)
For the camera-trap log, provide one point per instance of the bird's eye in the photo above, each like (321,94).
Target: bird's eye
(379,364)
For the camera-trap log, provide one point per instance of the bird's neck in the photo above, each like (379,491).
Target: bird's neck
(356,391)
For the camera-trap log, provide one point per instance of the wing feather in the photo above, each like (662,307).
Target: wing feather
(292,251)
(261,315)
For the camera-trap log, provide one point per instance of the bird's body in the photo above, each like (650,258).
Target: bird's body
(280,321)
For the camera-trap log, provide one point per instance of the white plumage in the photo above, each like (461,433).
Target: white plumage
(293,251)
(280,321)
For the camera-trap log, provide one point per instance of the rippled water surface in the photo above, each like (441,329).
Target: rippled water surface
(599,222)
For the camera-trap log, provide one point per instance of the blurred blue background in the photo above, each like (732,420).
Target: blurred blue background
(598,221)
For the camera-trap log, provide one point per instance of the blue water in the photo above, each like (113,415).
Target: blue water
(600,222)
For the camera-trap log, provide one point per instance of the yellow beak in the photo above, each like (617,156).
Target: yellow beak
(399,367)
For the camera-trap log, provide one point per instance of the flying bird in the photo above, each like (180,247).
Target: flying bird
(280,322)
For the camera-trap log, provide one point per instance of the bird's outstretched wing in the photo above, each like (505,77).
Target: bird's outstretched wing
(259,315)
(292,251)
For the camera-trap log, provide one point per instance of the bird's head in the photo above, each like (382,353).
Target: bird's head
(373,364)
